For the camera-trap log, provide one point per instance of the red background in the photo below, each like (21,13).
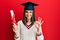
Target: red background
(47,9)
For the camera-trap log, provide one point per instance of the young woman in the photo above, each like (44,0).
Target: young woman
(28,28)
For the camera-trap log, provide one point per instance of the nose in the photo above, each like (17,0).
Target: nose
(28,14)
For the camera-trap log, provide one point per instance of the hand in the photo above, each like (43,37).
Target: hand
(15,28)
(39,22)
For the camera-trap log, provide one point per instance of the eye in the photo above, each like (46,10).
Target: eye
(31,12)
(26,11)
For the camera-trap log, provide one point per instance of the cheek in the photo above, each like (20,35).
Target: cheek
(31,15)
(26,14)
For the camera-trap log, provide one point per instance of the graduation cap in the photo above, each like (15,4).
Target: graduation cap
(29,5)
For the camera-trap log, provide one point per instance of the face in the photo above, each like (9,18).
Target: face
(28,14)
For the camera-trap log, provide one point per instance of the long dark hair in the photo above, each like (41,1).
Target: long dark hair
(24,20)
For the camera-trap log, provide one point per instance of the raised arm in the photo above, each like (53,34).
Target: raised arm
(16,26)
(16,29)
(38,25)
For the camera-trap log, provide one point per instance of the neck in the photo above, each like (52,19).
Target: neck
(28,20)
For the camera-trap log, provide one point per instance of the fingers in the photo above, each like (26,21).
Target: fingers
(39,19)
(14,25)
(15,28)
(42,22)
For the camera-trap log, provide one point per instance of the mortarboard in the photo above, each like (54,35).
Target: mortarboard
(29,5)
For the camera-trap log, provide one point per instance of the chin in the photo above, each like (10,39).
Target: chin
(28,17)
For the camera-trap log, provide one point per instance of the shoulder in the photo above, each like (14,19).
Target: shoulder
(19,22)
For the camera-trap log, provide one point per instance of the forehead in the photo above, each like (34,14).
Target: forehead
(29,10)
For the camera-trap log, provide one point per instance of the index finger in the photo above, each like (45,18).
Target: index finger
(39,19)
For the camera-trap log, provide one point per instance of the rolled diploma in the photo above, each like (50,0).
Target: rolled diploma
(12,15)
